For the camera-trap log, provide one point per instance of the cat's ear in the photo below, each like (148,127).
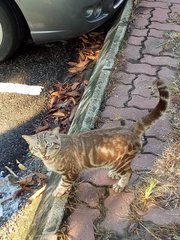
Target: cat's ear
(56,130)
(29,139)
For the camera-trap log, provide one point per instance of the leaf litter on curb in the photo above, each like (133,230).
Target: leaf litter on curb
(66,97)
(91,46)
(63,104)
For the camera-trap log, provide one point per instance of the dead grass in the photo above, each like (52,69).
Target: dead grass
(172,231)
(171,42)
(167,174)
(143,199)
(103,234)
(175,18)
(161,186)
(147,230)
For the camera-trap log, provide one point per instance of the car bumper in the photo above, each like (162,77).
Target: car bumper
(55,20)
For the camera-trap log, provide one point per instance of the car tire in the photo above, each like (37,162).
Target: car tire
(11,29)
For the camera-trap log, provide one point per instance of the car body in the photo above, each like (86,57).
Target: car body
(50,20)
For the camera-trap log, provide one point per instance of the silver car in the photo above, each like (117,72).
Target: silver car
(49,20)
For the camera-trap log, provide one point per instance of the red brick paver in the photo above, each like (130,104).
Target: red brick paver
(145,60)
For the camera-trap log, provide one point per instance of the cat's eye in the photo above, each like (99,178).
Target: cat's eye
(49,144)
(56,146)
(36,147)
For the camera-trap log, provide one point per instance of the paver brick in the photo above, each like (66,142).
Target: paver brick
(154,4)
(117,205)
(161,216)
(111,112)
(81,223)
(143,102)
(111,124)
(160,60)
(139,32)
(175,8)
(167,74)
(160,15)
(168,1)
(143,162)
(165,26)
(117,100)
(125,78)
(135,40)
(156,33)
(117,123)
(120,95)
(89,194)
(132,52)
(161,128)
(141,68)
(143,85)
(153,46)
(154,146)
(132,113)
(141,23)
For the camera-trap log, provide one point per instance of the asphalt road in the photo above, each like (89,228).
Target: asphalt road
(32,65)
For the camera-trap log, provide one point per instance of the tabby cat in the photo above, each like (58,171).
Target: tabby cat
(112,148)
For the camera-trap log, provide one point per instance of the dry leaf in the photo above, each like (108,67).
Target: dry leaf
(82,63)
(74,85)
(11,171)
(37,193)
(73,100)
(54,100)
(85,82)
(20,191)
(73,94)
(57,94)
(21,166)
(72,64)
(93,57)
(82,56)
(73,111)
(59,114)
(41,175)
(76,69)
(42,128)
(25,181)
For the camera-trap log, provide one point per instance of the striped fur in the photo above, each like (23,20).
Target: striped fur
(114,148)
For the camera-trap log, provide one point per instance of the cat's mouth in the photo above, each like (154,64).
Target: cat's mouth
(46,157)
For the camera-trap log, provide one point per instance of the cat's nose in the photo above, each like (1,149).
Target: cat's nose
(43,153)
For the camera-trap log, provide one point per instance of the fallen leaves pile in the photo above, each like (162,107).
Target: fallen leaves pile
(34,182)
(64,102)
(66,97)
(91,46)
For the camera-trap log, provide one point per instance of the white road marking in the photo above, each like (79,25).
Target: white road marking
(20,88)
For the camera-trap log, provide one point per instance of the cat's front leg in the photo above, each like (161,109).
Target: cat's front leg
(64,186)
(123,182)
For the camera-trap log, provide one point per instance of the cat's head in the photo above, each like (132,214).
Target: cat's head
(44,145)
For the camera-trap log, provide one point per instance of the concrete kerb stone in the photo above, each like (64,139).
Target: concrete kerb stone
(50,211)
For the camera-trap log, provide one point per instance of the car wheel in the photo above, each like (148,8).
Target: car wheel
(11,29)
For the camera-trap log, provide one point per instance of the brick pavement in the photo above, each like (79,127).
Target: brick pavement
(101,213)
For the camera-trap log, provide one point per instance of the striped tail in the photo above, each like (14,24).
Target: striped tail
(145,122)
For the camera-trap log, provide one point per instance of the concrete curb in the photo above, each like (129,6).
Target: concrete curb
(51,210)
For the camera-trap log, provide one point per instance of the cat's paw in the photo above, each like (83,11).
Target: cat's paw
(117,188)
(59,192)
(114,175)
